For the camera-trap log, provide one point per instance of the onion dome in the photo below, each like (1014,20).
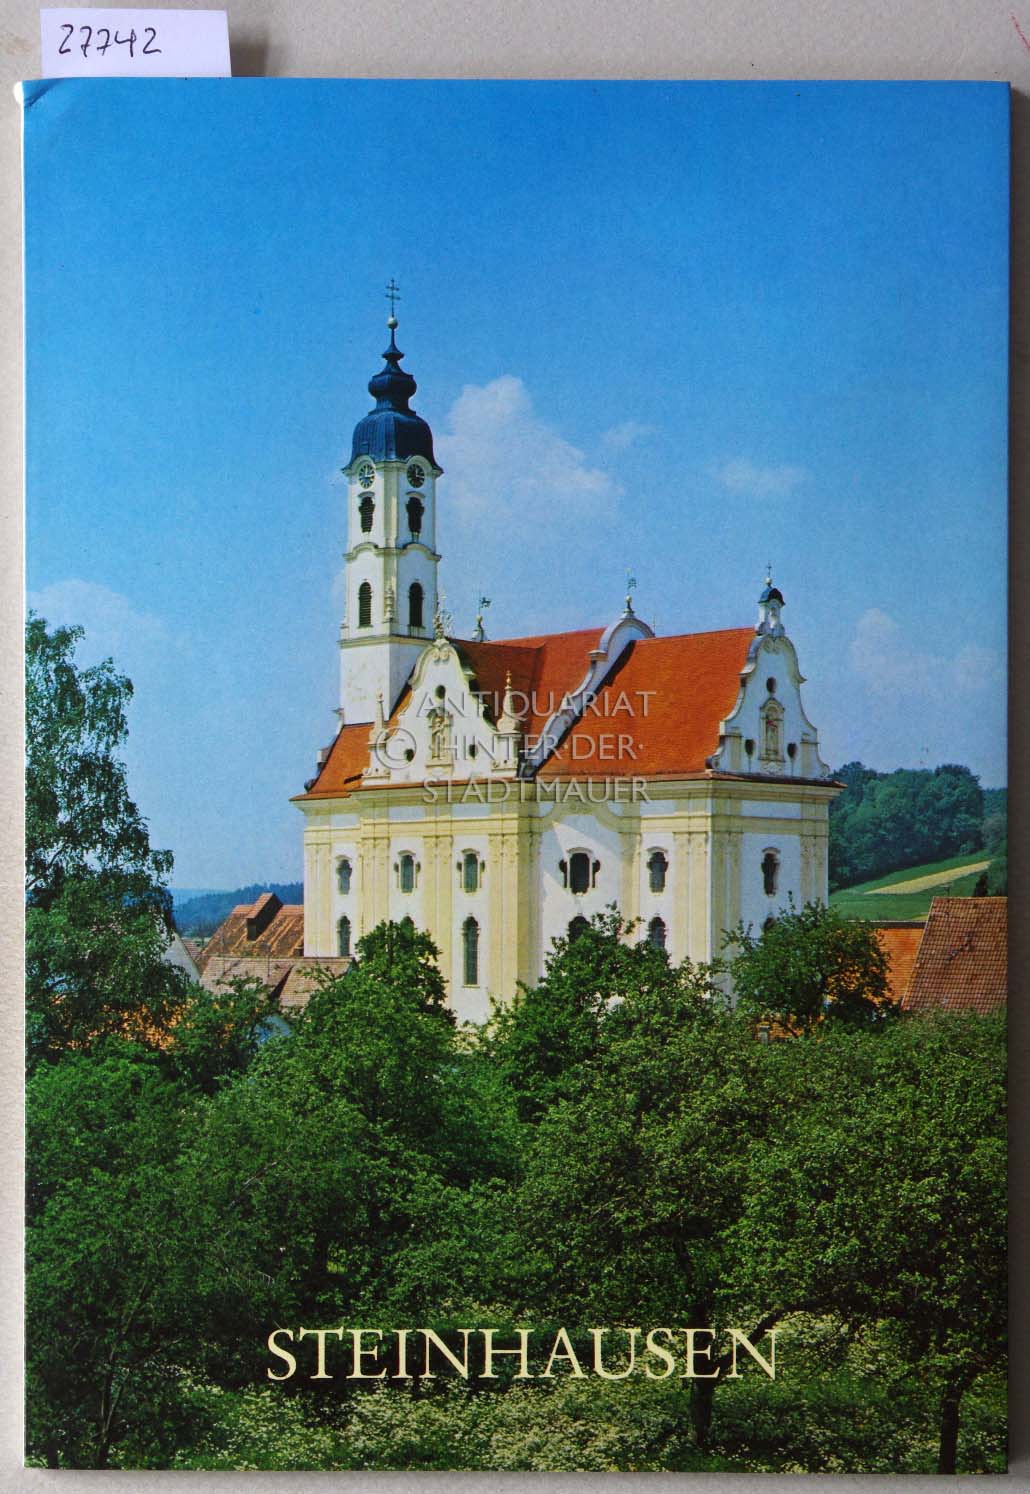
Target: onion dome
(392,432)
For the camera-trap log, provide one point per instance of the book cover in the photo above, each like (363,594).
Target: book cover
(516,794)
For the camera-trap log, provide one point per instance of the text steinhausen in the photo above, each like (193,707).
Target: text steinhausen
(657,1353)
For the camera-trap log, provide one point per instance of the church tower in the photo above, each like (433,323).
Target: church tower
(391,559)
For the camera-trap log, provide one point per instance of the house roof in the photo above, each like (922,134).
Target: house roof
(900,943)
(264,930)
(962,964)
(665,698)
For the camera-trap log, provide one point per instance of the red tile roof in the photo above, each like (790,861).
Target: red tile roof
(693,681)
(664,698)
(900,942)
(341,772)
(281,937)
(962,964)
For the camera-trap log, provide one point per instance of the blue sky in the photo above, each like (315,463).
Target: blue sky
(678,329)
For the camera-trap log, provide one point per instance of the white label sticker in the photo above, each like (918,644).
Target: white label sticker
(86,43)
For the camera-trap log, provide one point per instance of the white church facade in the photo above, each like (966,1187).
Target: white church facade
(498,793)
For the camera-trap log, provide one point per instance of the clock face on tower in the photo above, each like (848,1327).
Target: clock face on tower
(366,474)
(416,476)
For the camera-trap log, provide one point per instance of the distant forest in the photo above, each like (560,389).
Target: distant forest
(885,822)
(198,917)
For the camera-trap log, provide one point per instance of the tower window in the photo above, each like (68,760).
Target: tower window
(656,933)
(415,599)
(343,937)
(770,871)
(470,951)
(365,605)
(343,875)
(657,870)
(416,509)
(577,928)
(366,508)
(406,869)
(470,871)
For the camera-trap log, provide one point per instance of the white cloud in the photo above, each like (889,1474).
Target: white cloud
(743,476)
(624,435)
(891,665)
(503,461)
(113,627)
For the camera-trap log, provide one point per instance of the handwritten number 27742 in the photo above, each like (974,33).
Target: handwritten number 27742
(91,39)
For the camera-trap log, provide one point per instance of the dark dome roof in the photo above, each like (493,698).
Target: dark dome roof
(772,594)
(392,432)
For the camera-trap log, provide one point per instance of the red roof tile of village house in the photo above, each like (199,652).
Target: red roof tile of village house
(900,942)
(667,695)
(280,937)
(962,963)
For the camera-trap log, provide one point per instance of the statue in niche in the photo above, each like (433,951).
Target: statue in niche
(439,734)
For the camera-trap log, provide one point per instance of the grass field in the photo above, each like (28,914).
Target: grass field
(952,878)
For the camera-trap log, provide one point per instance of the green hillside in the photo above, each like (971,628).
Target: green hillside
(954,877)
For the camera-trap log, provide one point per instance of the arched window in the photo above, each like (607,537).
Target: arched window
(470,871)
(656,933)
(406,872)
(470,951)
(415,597)
(366,508)
(577,928)
(770,871)
(343,937)
(343,875)
(365,605)
(657,868)
(416,509)
(581,875)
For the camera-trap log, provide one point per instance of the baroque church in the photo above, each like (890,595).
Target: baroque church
(500,792)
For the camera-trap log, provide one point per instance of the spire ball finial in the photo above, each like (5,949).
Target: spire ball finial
(392,323)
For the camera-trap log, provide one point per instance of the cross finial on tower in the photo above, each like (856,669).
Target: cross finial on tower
(631,582)
(768,573)
(393,295)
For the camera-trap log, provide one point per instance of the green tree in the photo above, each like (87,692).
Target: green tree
(883,1200)
(110,1258)
(97,906)
(883,822)
(643,1095)
(809,967)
